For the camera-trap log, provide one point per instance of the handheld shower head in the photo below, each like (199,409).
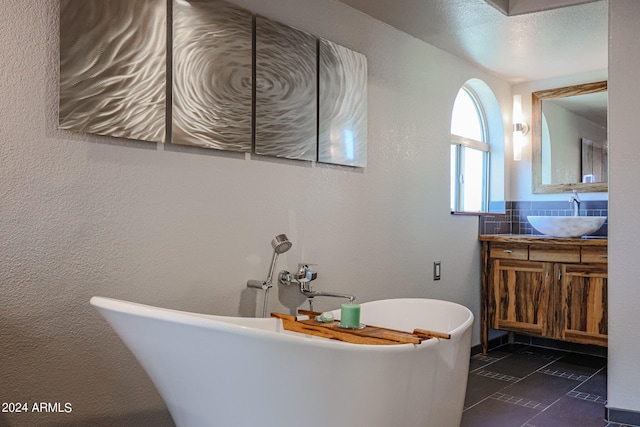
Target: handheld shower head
(281,244)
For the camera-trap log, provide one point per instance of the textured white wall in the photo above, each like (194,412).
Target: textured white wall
(624,205)
(184,228)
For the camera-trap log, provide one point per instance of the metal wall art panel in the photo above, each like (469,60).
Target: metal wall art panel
(113,67)
(286,91)
(342,136)
(212,75)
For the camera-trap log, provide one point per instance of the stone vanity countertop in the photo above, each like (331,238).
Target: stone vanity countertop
(531,238)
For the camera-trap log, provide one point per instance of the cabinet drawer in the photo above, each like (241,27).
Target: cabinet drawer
(509,251)
(596,255)
(554,253)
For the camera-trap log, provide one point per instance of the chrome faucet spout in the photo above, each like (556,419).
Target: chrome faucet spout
(312,294)
(574,201)
(303,278)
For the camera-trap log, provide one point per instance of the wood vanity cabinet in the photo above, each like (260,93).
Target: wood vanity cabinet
(546,287)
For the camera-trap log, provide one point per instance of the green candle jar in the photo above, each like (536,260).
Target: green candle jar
(350,316)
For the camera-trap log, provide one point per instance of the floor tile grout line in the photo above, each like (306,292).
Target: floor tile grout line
(521,352)
(475,404)
(592,375)
(484,366)
(510,383)
(510,399)
(527,423)
(497,376)
(566,374)
(496,359)
(588,397)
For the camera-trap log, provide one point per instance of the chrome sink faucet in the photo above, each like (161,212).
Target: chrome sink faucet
(574,201)
(303,277)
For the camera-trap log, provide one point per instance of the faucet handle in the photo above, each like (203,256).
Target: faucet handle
(304,272)
(286,278)
(305,265)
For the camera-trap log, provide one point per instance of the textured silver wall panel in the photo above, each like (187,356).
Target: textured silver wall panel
(342,135)
(113,67)
(286,87)
(212,75)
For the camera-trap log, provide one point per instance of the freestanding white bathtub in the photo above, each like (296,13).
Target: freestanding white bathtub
(246,372)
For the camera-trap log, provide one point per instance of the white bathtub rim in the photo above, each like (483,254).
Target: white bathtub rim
(210,321)
(458,330)
(276,332)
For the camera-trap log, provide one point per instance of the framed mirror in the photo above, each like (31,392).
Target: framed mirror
(569,139)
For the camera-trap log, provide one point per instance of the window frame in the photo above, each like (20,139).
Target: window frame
(461,142)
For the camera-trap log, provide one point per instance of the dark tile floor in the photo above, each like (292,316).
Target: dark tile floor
(517,385)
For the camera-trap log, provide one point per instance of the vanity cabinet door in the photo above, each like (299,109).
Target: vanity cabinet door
(583,303)
(522,296)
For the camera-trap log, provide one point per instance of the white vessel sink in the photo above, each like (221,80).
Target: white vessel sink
(567,226)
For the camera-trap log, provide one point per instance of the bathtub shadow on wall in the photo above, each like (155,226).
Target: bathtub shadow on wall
(251,300)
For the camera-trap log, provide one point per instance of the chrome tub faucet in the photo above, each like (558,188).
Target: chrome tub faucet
(303,278)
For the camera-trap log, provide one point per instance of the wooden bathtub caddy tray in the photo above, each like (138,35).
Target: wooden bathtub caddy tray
(367,335)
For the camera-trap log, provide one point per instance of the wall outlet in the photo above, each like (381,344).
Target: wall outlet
(436,270)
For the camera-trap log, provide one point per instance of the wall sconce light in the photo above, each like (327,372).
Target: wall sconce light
(520,128)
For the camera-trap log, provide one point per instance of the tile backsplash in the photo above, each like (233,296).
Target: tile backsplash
(515,220)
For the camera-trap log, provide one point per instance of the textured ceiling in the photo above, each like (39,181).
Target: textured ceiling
(528,46)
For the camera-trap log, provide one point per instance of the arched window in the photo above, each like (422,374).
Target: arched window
(469,154)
